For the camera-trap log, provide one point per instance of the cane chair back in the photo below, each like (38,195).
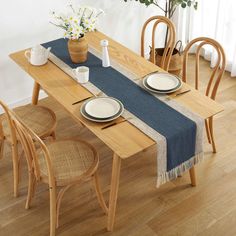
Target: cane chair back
(12,133)
(59,163)
(169,47)
(218,70)
(40,156)
(40,119)
(24,136)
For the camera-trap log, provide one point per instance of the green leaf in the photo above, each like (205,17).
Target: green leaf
(173,3)
(147,2)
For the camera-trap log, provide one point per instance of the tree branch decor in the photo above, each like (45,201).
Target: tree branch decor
(170,5)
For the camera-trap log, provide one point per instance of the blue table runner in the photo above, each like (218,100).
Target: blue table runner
(179,131)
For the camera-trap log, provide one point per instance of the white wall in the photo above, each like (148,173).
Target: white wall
(25,23)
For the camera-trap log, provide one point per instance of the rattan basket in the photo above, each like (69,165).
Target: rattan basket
(176,59)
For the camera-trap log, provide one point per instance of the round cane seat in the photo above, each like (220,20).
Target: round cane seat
(40,119)
(70,159)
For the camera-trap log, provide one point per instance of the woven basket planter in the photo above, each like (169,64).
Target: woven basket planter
(176,59)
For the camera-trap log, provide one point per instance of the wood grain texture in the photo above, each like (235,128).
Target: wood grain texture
(35,95)
(139,66)
(124,139)
(174,209)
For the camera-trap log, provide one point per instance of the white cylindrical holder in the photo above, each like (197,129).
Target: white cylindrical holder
(105,54)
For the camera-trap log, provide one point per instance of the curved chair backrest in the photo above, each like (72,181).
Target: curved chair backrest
(165,62)
(218,70)
(28,139)
(13,138)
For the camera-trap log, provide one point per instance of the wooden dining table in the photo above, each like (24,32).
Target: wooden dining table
(124,139)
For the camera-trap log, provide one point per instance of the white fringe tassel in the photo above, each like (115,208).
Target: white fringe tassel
(177,171)
(162,178)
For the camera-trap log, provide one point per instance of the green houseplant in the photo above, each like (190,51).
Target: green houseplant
(168,7)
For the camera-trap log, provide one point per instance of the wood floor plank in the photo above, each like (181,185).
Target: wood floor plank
(174,209)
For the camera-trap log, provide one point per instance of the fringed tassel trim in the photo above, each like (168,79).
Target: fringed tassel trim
(177,171)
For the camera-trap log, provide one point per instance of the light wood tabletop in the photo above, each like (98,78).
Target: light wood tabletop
(123,139)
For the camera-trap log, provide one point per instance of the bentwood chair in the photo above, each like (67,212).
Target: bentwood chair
(215,78)
(59,164)
(168,50)
(39,118)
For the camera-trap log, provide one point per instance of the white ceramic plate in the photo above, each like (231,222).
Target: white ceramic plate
(100,120)
(162,81)
(157,91)
(89,117)
(102,107)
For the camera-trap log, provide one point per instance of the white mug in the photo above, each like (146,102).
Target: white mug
(37,56)
(81,74)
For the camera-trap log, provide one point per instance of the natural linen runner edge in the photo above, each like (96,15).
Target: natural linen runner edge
(179,131)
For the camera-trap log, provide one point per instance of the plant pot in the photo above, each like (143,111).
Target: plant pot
(78,50)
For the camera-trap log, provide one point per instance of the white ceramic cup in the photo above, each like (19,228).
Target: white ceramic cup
(81,74)
(36,57)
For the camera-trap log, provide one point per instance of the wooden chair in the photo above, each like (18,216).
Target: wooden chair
(41,120)
(215,78)
(168,50)
(58,163)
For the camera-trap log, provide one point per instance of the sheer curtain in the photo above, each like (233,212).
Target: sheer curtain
(215,19)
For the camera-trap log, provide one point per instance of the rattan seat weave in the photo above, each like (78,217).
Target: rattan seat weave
(63,164)
(70,159)
(40,119)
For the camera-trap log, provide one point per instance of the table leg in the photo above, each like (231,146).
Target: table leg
(113,191)
(193,176)
(35,95)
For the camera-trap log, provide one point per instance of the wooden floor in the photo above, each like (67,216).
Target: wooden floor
(174,209)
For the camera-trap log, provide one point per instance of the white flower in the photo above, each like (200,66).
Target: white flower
(100,12)
(78,21)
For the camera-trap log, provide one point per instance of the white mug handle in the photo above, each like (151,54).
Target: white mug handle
(27,54)
(75,74)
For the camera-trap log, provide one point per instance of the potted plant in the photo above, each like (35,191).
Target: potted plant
(169,9)
(76,23)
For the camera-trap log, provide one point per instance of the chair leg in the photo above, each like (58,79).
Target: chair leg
(208,131)
(15,160)
(53,210)
(20,166)
(58,203)
(1,148)
(1,140)
(31,190)
(53,135)
(193,176)
(212,134)
(99,193)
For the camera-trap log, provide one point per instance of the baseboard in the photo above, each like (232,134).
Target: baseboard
(24,101)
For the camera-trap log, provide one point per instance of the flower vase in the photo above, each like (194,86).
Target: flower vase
(78,50)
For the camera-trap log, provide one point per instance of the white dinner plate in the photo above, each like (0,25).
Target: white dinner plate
(102,107)
(162,81)
(157,91)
